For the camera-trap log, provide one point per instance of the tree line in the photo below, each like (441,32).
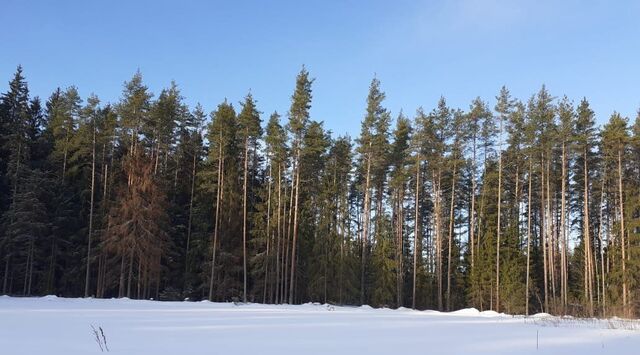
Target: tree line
(525,207)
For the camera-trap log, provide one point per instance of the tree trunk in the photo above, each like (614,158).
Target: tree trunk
(551,240)
(244,219)
(600,239)
(498,227)
(278,236)
(365,229)
(217,217)
(121,285)
(438,231)
(529,192)
(268,236)
(190,223)
(295,229)
(563,231)
(93,179)
(416,232)
(399,245)
(587,238)
(451,223)
(622,234)
(64,156)
(543,232)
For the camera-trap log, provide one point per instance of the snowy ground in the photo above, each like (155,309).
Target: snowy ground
(56,326)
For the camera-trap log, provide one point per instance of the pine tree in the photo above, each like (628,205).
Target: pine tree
(584,146)
(249,132)
(542,113)
(504,107)
(513,252)
(419,147)
(565,134)
(615,139)
(398,185)
(223,157)
(91,112)
(277,157)
(191,147)
(298,121)
(314,253)
(478,112)
(372,152)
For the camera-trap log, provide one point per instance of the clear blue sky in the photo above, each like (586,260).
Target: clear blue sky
(418,49)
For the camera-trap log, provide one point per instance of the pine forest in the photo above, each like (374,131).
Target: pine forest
(520,207)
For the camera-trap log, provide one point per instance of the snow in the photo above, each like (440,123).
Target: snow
(541,315)
(56,326)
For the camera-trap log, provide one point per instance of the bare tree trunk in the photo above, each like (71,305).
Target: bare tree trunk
(563,231)
(278,236)
(99,278)
(52,263)
(217,217)
(416,232)
(295,229)
(341,280)
(600,238)
(268,235)
(121,285)
(472,213)
(139,276)
(622,235)
(528,236)
(244,219)
(93,179)
(498,225)
(399,245)
(344,238)
(365,230)
(451,223)
(31,268)
(438,236)
(27,265)
(285,272)
(587,238)
(190,223)
(550,236)
(543,232)
(130,275)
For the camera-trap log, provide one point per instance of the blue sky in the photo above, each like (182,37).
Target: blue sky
(419,50)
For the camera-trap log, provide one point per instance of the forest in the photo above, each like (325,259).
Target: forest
(528,206)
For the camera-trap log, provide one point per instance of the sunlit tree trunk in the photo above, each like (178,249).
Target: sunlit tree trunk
(294,242)
(219,194)
(498,226)
(93,179)
(416,233)
(268,236)
(451,224)
(365,229)
(622,235)
(244,219)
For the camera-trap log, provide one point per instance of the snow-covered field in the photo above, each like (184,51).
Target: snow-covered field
(57,326)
